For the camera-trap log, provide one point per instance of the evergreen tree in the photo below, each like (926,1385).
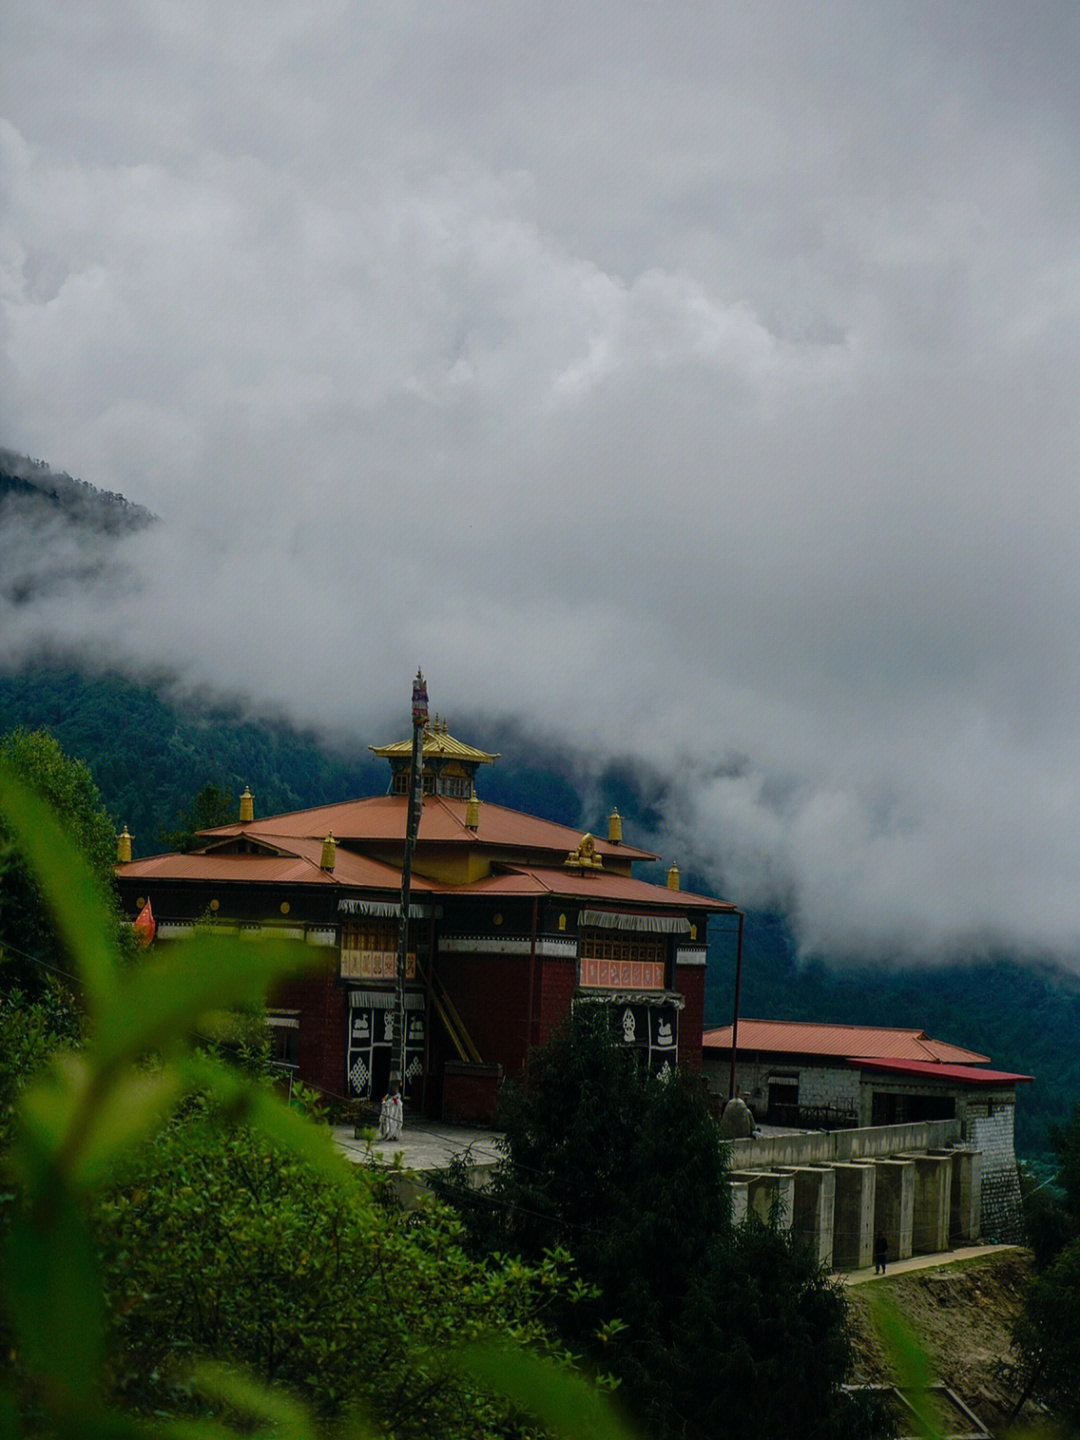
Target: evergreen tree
(214,805)
(28,941)
(1046,1337)
(696,1317)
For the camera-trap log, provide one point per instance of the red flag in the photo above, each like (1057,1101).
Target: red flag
(144,925)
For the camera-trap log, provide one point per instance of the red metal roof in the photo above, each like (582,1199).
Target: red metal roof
(797,1037)
(969,1074)
(599,885)
(381,819)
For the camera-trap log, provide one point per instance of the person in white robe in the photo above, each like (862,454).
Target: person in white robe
(390,1117)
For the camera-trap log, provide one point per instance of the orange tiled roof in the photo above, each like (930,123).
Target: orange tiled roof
(380,819)
(298,864)
(848,1042)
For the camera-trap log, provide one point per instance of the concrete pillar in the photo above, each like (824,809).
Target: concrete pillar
(740,1200)
(853,1215)
(785,1200)
(813,1208)
(767,1193)
(933,1192)
(894,1205)
(965,1197)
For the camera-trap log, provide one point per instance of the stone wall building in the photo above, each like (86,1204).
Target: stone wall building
(841,1078)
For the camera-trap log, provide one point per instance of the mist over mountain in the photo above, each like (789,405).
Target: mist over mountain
(31,489)
(60,541)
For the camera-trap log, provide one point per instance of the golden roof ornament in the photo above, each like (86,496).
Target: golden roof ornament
(247,807)
(673,878)
(614,827)
(329,849)
(123,847)
(472,811)
(586,856)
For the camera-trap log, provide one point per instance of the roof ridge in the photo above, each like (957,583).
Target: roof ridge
(834,1025)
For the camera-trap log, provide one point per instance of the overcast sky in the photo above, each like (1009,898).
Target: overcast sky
(694,382)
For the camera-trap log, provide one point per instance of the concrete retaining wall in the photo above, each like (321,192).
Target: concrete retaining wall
(918,1185)
(835,1146)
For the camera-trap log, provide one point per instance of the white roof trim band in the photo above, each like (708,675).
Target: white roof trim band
(383,1000)
(649,924)
(386,909)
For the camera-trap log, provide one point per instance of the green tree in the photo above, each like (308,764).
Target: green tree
(1065,1141)
(766,1346)
(214,805)
(1046,1337)
(28,937)
(629,1173)
(31,1032)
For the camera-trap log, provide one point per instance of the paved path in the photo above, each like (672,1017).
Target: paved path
(423,1145)
(922,1262)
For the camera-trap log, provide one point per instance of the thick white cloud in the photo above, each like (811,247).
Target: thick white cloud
(695,385)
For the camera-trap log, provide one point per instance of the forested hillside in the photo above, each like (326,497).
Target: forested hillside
(150,759)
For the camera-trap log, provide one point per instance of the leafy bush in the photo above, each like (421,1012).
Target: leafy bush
(219,1245)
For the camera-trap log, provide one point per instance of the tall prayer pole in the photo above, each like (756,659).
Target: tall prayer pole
(735,1006)
(412,826)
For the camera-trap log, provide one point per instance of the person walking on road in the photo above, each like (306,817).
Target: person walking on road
(881,1254)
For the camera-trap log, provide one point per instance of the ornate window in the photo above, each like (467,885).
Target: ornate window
(454,785)
(369,952)
(613,961)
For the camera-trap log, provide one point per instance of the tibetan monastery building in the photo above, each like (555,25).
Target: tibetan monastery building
(513,920)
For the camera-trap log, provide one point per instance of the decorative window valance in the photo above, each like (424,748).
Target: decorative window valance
(388,910)
(655,999)
(383,1000)
(645,924)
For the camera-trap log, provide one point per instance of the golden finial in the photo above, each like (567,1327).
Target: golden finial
(614,827)
(329,847)
(123,847)
(673,878)
(586,856)
(247,807)
(472,811)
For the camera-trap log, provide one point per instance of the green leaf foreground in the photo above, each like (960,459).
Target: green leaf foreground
(911,1365)
(72,894)
(80,1122)
(565,1404)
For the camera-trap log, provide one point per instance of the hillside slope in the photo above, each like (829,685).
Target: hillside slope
(961,1314)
